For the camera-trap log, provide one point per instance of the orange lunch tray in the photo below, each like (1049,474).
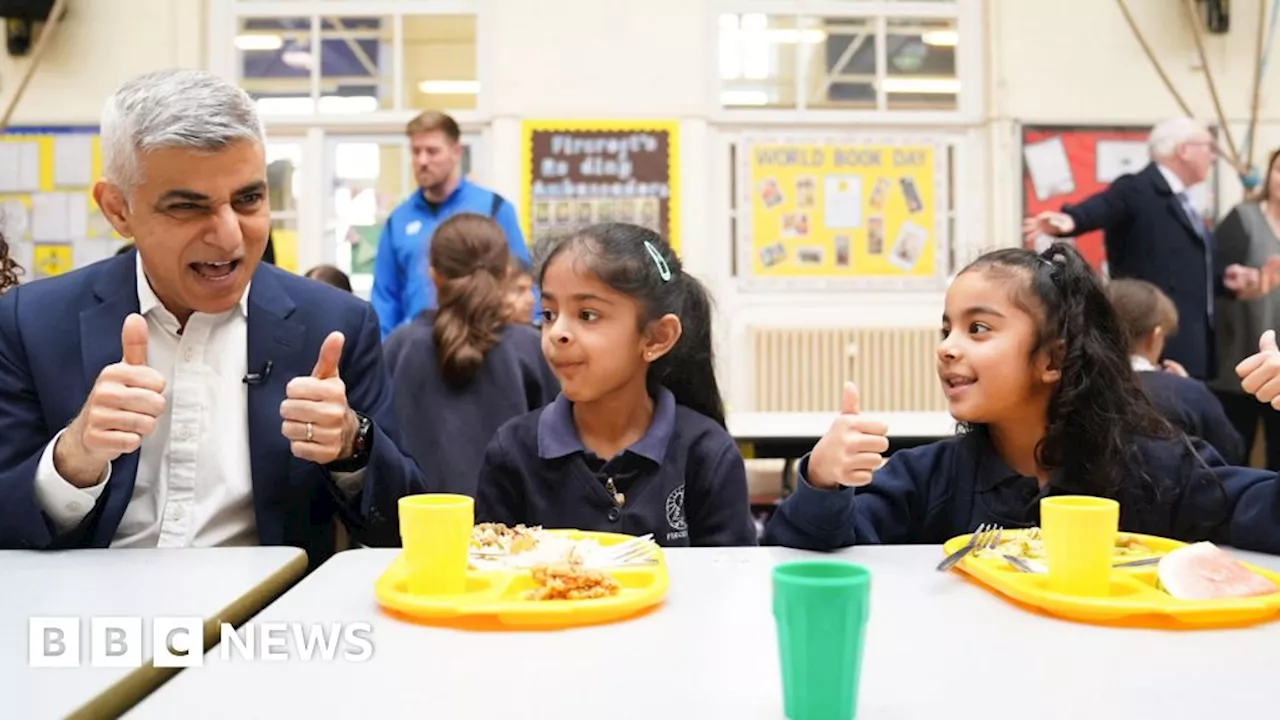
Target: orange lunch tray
(1135,598)
(494,599)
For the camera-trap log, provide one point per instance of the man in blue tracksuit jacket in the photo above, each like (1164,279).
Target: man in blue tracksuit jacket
(401,289)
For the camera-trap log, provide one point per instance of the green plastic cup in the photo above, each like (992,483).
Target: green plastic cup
(821,612)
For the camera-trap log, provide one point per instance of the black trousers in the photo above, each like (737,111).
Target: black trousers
(1244,412)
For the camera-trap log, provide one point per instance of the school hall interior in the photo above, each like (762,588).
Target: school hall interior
(825,169)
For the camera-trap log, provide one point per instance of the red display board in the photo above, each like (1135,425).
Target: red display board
(1064,165)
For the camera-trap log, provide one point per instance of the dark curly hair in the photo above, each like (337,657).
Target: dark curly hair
(9,270)
(1098,407)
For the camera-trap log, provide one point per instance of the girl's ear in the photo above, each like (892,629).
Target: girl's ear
(1049,363)
(661,335)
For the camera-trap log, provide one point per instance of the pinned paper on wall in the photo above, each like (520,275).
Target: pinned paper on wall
(51,259)
(91,251)
(49,217)
(77,215)
(59,216)
(1049,168)
(843,206)
(1117,157)
(19,167)
(72,161)
(14,221)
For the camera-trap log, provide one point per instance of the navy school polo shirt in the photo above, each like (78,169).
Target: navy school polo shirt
(933,493)
(684,480)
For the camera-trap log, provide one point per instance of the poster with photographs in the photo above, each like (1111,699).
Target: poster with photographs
(581,173)
(859,211)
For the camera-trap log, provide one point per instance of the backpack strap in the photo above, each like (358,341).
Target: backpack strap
(496,205)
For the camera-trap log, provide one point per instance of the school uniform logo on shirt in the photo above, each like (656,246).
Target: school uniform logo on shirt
(413,227)
(675,515)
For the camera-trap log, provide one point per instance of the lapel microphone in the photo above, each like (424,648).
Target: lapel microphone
(259,377)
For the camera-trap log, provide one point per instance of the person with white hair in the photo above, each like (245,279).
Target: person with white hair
(183,393)
(1154,232)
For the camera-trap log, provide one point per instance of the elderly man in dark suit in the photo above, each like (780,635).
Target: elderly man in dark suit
(183,394)
(1155,233)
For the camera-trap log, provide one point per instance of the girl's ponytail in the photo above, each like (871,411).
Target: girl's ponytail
(469,260)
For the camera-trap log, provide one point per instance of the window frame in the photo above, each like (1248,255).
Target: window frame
(223,23)
(970,67)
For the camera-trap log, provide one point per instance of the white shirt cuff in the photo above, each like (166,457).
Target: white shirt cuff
(349,483)
(64,503)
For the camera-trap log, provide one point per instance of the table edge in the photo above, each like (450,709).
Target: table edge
(133,688)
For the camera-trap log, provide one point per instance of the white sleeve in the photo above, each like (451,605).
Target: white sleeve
(349,483)
(64,503)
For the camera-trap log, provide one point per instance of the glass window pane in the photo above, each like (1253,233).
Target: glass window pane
(758,60)
(921,72)
(841,63)
(355,64)
(440,62)
(275,63)
(284,244)
(283,162)
(369,181)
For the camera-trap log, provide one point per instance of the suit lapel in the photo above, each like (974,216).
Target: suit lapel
(116,291)
(273,338)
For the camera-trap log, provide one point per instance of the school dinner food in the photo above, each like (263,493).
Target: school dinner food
(498,539)
(1203,571)
(570,580)
(1029,545)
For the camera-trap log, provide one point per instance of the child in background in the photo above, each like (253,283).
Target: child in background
(636,441)
(1147,317)
(520,298)
(1035,364)
(9,270)
(461,371)
(330,275)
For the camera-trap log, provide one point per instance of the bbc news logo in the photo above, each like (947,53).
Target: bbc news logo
(178,642)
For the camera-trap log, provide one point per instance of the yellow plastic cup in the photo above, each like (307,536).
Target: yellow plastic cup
(436,532)
(1079,540)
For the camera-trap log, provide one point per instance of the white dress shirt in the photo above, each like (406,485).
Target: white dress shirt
(194,484)
(1141,364)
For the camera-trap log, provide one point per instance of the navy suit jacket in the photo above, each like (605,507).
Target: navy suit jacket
(56,336)
(1149,237)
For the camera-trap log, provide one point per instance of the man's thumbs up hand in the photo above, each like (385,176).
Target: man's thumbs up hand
(316,418)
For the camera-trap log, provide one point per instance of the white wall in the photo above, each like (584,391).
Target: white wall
(98,45)
(1047,61)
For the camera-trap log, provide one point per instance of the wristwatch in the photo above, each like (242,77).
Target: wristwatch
(361,446)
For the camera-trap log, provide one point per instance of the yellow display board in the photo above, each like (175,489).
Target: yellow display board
(577,173)
(856,208)
(47,212)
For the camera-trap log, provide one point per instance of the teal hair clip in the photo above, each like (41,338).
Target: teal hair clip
(664,270)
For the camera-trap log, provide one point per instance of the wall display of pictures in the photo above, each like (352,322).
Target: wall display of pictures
(578,173)
(852,211)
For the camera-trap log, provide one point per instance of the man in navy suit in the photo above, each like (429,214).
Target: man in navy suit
(184,394)
(1155,233)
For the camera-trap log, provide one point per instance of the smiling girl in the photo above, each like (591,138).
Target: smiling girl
(1034,364)
(635,443)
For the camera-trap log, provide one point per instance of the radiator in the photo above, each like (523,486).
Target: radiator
(804,369)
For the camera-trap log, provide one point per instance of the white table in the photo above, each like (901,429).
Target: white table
(223,584)
(938,646)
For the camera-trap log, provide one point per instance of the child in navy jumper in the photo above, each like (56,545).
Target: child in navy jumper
(1034,362)
(1147,317)
(636,442)
(459,372)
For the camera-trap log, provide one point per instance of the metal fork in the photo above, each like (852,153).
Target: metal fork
(986,536)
